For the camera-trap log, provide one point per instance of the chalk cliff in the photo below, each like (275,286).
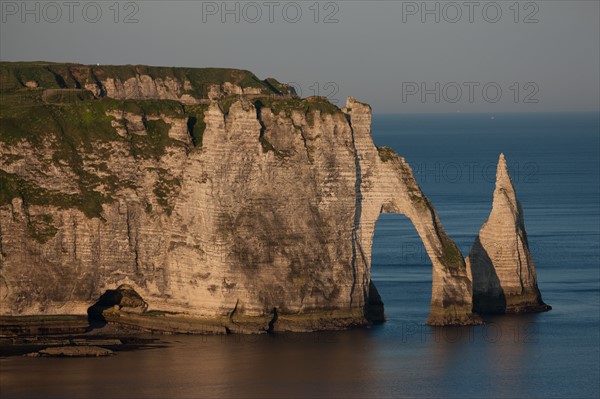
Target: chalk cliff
(500,263)
(213,196)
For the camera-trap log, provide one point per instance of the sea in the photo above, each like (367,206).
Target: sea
(554,161)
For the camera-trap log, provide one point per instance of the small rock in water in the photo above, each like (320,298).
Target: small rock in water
(75,351)
(95,342)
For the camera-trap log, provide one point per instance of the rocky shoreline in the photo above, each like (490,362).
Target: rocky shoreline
(79,336)
(78,345)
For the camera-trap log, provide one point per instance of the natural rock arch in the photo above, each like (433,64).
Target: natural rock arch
(270,203)
(276,210)
(387,185)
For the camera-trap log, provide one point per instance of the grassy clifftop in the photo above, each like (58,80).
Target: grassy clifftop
(47,75)
(41,98)
(57,111)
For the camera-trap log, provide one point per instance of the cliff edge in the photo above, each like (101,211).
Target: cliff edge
(225,203)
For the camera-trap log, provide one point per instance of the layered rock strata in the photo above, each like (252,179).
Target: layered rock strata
(500,262)
(250,213)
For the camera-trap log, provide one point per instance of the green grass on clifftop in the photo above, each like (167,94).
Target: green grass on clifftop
(72,131)
(48,75)
(307,106)
(46,108)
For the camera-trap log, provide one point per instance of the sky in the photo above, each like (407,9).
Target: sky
(398,56)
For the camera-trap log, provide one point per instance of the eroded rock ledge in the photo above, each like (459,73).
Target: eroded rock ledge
(239,212)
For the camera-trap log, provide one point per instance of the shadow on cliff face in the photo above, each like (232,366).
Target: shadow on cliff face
(123,297)
(374,306)
(271,327)
(488,295)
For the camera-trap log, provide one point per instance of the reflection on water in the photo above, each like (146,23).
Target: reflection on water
(502,359)
(193,366)
(499,350)
(554,354)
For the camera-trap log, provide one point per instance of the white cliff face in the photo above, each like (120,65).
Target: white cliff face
(275,212)
(387,185)
(502,269)
(143,87)
(269,227)
(127,123)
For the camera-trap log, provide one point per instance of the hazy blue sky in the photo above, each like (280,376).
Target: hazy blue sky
(378,51)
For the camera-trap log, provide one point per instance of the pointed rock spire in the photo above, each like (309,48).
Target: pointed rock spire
(503,180)
(500,263)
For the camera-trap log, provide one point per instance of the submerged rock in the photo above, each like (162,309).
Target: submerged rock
(74,351)
(500,262)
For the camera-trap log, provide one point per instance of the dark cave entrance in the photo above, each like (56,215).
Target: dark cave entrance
(122,297)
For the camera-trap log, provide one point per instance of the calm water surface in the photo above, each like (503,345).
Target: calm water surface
(554,160)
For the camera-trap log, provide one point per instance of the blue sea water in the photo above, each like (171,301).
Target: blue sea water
(555,164)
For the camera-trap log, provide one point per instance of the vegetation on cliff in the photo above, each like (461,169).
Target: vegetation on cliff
(16,75)
(48,106)
(307,106)
(386,154)
(11,186)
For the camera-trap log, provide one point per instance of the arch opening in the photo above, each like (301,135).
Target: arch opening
(401,268)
